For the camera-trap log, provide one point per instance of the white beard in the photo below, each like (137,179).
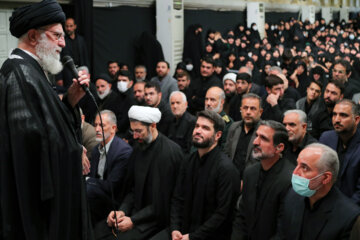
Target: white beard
(49,58)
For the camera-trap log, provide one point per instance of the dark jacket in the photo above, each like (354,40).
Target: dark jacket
(332,219)
(315,109)
(292,155)
(259,209)
(114,171)
(205,196)
(180,131)
(349,175)
(276,112)
(199,88)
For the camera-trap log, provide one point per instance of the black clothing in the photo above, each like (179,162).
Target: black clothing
(180,131)
(205,196)
(42,187)
(242,149)
(276,112)
(34,16)
(311,110)
(262,200)
(292,93)
(322,122)
(75,48)
(331,218)
(292,155)
(124,103)
(199,88)
(150,182)
(166,118)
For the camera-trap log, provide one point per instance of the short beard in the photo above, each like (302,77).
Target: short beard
(49,58)
(207,143)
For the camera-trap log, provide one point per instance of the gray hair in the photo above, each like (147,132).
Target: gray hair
(178,92)
(328,160)
(140,66)
(300,113)
(83,68)
(245,70)
(111,117)
(275,68)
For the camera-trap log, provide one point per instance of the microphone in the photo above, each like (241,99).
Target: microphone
(68,62)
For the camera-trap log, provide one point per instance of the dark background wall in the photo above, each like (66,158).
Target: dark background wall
(275,17)
(116,30)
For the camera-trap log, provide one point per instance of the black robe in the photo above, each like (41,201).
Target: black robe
(152,176)
(205,196)
(42,188)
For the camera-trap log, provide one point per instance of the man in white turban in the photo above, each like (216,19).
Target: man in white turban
(153,169)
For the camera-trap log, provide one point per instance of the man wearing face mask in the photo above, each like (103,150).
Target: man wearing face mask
(153,169)
(124,90)
(315,208)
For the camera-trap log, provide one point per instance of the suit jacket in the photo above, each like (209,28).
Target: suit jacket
(88,138)
(233,139)
(316,107)
(349,175)
(114,171)
(276,112)
(334,217)
(258,214)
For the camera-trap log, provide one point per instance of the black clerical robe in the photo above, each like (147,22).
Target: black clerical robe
(205,196)
(152,175)
(42,189)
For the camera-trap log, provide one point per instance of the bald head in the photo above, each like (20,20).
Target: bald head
(214,99)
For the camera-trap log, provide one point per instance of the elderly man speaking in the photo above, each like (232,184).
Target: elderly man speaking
(42,188)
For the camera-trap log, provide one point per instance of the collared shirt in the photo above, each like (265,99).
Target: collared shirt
(102,158)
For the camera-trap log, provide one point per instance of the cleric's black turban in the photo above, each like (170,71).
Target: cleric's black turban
(34,16)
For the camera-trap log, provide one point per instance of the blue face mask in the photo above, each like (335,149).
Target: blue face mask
(301,185)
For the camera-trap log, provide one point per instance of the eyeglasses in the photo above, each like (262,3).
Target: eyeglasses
(57,35)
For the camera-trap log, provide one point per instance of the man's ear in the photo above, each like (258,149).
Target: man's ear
(280,148)
(32,36)
(218,135)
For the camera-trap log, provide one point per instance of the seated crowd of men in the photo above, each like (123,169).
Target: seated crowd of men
(261,143)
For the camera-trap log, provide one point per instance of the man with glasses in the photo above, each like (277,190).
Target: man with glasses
(42,190)
(152,172)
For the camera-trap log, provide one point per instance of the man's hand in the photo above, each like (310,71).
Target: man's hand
(125,224)
(176,235)
(75,92)
(272,99)
(185,237)
(85,163)
(111,218)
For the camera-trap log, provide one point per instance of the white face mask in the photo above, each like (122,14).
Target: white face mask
(122,86)
(351,37)
(255,28)
(189,67)
(104,94)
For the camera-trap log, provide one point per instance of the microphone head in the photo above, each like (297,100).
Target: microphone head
(67,60)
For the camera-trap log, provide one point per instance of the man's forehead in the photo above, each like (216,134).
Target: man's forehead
(342,107)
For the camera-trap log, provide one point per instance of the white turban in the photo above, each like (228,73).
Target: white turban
(145,114)
(230,76)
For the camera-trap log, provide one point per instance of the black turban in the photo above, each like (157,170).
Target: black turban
(36,15)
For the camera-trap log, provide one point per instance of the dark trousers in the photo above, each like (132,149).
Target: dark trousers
(103,232)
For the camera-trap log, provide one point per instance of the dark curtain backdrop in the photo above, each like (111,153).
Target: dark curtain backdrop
(221,21)
(84,18)
(115,32)
(276,17)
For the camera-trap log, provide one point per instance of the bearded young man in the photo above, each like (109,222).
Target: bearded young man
(42,189)
(207,187)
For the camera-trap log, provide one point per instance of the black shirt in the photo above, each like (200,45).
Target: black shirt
(241,149)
